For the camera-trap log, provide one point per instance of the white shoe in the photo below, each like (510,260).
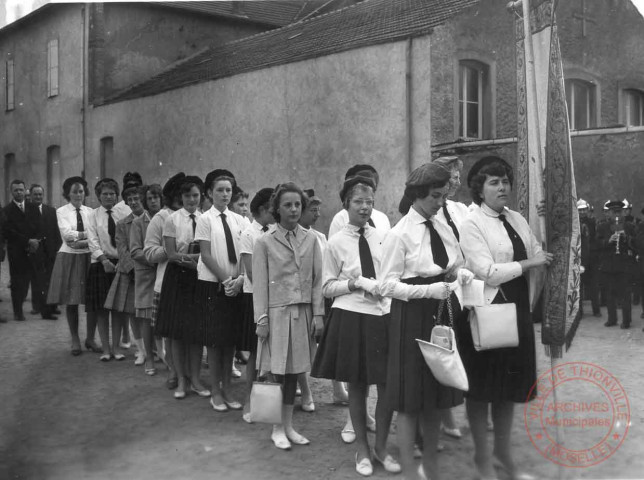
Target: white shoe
(308,406)
(452,432)
(296,438)
(364,467)
(279,438)
(139,358)
(236,373)
(348,435)
(125,344)
(389,463)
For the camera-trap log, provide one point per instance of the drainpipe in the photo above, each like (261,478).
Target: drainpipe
(84,54)
(408,106)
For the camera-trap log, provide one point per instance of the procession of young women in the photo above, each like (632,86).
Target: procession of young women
(188,270)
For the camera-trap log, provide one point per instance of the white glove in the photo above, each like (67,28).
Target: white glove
(438,290)
(464,276)
(368,285)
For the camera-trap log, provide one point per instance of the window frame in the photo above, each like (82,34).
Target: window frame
(634,93)
(53,68)
(10,87)
(486,65)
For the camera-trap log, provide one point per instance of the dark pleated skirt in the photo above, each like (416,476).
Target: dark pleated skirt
(98,286)
(410,384)
(154,311)
(220,316)
(178,315)
(504,374)
(247,336)
(353,348)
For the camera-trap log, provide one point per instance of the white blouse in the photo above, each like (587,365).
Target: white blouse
(488,249)
(98,237)
(210,228)
(342,263)
(457,210)
(380,220)
(246,244)
(407,253)
(179,226)
(67,224)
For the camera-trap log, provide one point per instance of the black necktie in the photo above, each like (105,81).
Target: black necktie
(111,228)
(371,224)
(520,253)
(439,253)
(194,224)
(230,246)
(80,226)
(451,223)
(366,260)
(265,228)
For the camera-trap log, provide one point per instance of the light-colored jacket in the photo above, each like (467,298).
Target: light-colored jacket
(287,287)
(144,272)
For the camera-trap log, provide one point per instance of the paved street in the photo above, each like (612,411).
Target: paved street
(67,417)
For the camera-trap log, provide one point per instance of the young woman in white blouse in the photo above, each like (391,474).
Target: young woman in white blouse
(177,313)
(68,278)
(500,250)
(219,285)
(101,237)
(155,254)
(353,348)
(420,254)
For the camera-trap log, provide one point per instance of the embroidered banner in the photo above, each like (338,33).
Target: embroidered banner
(548,173)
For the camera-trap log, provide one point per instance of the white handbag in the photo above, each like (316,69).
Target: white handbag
(265,397)
(441,354)
(494,326)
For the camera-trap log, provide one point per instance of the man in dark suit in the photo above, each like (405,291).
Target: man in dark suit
(22,230)
(49,246)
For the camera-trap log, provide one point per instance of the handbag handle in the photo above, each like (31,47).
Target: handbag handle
(503,294)
(441,305)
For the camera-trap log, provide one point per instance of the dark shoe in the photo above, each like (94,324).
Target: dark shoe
(57,311)
(34,312)
(76,351)
(19,318)
(92,347)
(597,314)
(624,326)
(172,383)
(49,317)
(608,324)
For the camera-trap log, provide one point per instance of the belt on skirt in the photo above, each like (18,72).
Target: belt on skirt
(424,280)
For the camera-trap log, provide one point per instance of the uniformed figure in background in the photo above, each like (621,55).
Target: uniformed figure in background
(589,256)
(639,243)
(616,242)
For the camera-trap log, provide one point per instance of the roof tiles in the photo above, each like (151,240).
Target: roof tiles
(367,23)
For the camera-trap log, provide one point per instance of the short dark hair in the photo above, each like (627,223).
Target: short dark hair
(189,182)
(237,193)
(261,199)
(487,167)
(106,183)
(131,179)
(17,182)
(131,190)
(154,189)
(439,180)
(288,187)
(363,167)
(36,185)
(70,182)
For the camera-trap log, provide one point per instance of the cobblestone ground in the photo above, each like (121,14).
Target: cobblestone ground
(65,417)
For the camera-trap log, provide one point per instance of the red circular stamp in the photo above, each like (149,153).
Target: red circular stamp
(580,417)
